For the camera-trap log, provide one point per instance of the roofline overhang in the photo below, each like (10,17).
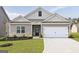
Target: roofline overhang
(18,22)
(55,22)
(5,13)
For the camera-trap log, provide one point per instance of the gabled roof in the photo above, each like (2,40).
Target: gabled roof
(29,16)
(47,18)
(20,19)
(56,18)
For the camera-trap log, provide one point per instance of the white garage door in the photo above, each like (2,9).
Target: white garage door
(55,31)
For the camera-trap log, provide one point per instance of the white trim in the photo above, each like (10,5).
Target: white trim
(41,29)
(20,29)
(55,23)
(39,23)
(31,29)
(69,30)
(34,23)
(19,23)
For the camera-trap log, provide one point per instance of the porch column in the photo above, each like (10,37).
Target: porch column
(69,30)
(41,29)
(31,29)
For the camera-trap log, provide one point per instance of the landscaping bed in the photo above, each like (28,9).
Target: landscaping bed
(6,44)
(14,38)
(18,38)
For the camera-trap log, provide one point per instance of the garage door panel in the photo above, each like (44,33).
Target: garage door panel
(48,32)
(55,31)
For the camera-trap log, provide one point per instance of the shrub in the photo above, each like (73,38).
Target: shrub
(30,37)
(41,36)
(3,39)
(6,45)
(15,36)
(74,35)
(24,35)
(70,36)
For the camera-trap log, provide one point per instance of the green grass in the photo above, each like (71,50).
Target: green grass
(24,46)
(77,39)
(74,36)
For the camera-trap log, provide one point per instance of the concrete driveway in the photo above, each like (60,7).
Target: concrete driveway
(60,45)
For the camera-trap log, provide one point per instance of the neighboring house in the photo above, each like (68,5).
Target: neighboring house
(77,26)
(74,27)
(3,21)
(40,22)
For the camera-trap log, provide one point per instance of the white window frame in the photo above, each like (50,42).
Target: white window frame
(20,29)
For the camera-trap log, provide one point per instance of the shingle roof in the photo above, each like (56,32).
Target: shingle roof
(47,19)
(20,19)
(56,18)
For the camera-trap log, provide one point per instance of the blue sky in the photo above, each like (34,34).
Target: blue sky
(66,11)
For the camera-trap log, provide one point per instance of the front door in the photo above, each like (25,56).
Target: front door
(36,29)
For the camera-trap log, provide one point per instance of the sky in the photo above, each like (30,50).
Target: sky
(65,11)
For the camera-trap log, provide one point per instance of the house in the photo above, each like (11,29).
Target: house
(3,21)
(39,22)
(77,26)
(74,27)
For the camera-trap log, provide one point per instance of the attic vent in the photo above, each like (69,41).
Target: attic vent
(40,13)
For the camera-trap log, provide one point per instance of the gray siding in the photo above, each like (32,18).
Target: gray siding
(3,20)
(13,32)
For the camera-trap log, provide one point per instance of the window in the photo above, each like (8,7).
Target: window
(18,29)
(22,29)
(40,13)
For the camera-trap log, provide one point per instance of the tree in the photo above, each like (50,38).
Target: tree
(74,20)
(69,17)
(78,20)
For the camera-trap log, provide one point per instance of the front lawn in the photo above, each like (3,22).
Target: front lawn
(74,36)
(77,39)
(24,46)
